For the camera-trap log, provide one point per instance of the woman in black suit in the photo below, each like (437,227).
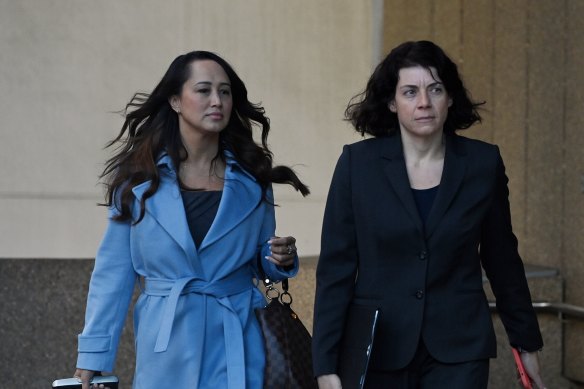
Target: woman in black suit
(412,214)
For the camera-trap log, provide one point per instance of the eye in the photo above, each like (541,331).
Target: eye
(409,93)
(226,92)
(436,90)
(203,90)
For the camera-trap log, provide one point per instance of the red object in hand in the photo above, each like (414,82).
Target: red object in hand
(525,381)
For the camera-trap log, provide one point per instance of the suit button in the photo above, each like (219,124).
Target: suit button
(423,255)
(420,294)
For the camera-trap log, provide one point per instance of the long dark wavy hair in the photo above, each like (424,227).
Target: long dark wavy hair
(151,127)
(368,111)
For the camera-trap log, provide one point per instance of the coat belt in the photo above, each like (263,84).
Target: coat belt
(237,282)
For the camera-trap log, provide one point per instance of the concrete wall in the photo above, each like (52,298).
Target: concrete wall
(524,57)
(66,65)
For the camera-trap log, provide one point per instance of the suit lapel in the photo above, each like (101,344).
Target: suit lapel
(452,175)
(394,167)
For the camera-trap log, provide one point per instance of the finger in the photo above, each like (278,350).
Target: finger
(291,246)
(84,381)
(280,250)
(290,250)
(283,249)
(280,260)
(85,377)
(275,240)
(84,384)
(282,240)
(283,253)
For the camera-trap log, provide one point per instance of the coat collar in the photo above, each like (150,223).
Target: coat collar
(391,151)
(241,196)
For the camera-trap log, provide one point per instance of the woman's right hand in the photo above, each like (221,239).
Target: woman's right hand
(85,376)
(329,381)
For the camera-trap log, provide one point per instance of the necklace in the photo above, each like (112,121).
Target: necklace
(195,172)
(192,177)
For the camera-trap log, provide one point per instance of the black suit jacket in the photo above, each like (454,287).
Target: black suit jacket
(427,281)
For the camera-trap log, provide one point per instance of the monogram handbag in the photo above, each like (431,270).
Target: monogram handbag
(287,342)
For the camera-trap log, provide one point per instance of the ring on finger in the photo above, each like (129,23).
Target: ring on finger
(290,249)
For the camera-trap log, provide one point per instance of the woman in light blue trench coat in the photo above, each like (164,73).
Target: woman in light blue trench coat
(191,208)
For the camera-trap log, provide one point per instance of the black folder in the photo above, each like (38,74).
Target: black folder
(357,345)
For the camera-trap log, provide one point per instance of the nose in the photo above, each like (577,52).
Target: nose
(216,99)
(424,101)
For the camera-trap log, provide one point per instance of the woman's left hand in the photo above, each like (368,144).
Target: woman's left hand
(531,364)
(282,250)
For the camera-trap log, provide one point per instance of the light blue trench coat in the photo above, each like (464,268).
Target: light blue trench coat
(194,324)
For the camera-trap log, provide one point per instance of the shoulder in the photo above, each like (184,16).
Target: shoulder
(475,150)
(235,170)
(366,145)
(368,149)
(479,157)
(470,145)
(358,153)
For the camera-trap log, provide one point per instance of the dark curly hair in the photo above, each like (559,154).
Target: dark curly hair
(151,127)
(368,111)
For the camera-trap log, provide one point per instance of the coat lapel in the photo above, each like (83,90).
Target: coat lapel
(452,175)
(394,167)
(241,196)
(167,208)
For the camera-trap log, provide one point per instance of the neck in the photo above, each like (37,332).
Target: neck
(202,169)
(201,150)
(419,149)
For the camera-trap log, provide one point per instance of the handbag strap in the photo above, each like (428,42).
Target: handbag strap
(269,284)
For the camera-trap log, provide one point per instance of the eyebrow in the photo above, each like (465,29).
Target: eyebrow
(210,83)
(415,86)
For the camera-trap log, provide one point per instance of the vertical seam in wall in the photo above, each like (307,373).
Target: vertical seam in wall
(493,64)
(564,137)
(433,20)
(526,128)
(377,33)
(186,12)
(461,37)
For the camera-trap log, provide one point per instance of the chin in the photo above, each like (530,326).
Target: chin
(216,129)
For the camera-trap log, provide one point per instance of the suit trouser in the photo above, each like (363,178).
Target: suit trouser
(425,372)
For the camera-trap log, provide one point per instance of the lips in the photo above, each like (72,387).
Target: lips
(215,115)
(425,118)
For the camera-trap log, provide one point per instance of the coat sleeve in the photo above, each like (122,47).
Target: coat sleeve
(110,292)
(268,230)
(336,269)
(505,271)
